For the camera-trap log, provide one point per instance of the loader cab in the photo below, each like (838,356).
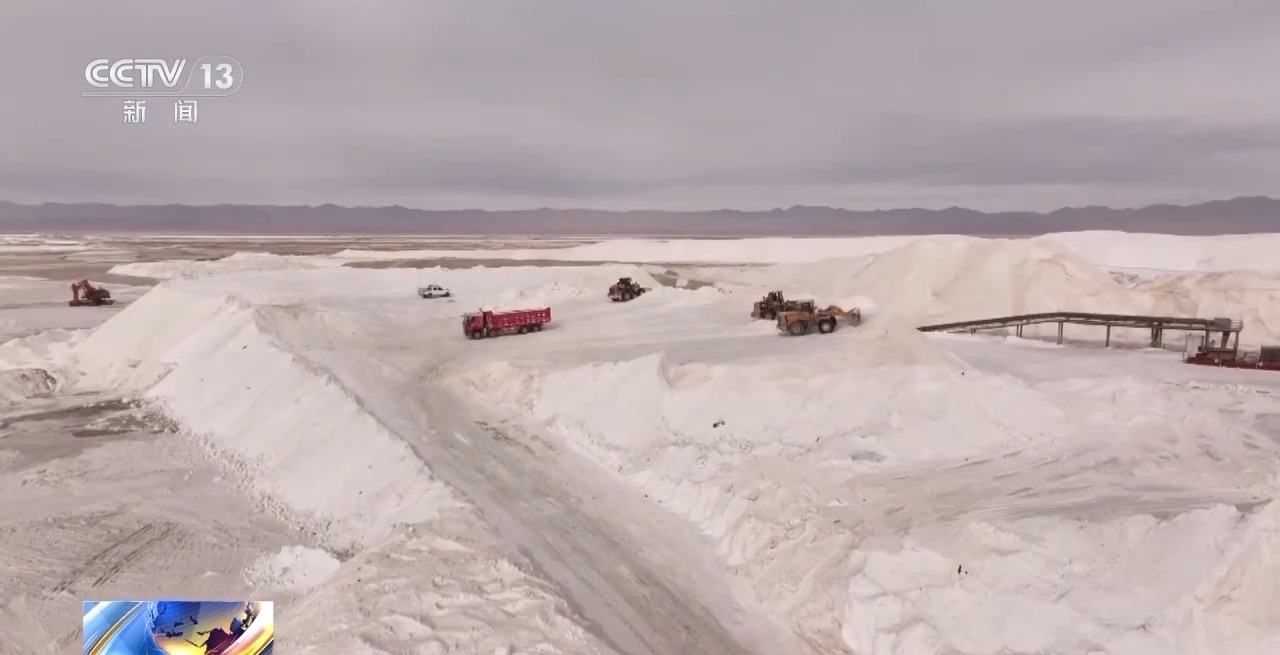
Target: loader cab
(796,310)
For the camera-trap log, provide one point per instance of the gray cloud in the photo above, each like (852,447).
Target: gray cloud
(500,103)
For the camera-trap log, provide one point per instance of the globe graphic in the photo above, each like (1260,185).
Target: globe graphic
(197,627)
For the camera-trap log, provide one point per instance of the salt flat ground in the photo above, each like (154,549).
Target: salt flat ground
(660,476)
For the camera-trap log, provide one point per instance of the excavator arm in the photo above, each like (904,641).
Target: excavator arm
(83,293)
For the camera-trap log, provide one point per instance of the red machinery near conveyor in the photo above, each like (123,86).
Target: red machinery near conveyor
(1204,352)
(1267,359)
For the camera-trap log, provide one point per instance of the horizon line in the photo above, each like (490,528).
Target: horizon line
(638,210)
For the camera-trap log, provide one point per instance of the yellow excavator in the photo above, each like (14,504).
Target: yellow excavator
(773,304)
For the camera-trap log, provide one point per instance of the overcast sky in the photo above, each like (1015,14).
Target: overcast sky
(991,104)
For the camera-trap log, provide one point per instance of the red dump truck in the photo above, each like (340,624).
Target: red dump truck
(478,325)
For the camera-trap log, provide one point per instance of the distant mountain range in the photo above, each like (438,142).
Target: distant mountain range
(1245,215)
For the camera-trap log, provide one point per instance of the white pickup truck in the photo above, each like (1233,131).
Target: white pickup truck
(433,291)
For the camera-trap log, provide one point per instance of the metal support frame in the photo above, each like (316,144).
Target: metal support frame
(1157,325)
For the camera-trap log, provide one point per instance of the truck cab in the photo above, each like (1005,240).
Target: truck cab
(473,322)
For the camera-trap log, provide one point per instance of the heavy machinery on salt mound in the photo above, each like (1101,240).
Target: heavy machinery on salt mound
(84,294)
(625,289)
(773,304)
(805,317)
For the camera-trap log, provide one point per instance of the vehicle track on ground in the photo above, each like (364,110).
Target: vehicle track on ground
(109,561)
(645,583)
(638,577)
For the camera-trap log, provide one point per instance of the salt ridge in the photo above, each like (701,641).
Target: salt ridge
(1101,248)
(240,261)
(942,280)
(761,483)
(1165,252)
(205,360)
(785,451)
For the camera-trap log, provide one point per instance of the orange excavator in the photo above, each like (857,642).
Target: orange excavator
(85,294)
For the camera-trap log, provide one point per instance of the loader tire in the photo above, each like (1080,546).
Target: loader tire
(797,329)
(826,327)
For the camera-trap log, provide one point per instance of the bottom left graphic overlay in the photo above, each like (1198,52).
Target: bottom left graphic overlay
(178,627)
